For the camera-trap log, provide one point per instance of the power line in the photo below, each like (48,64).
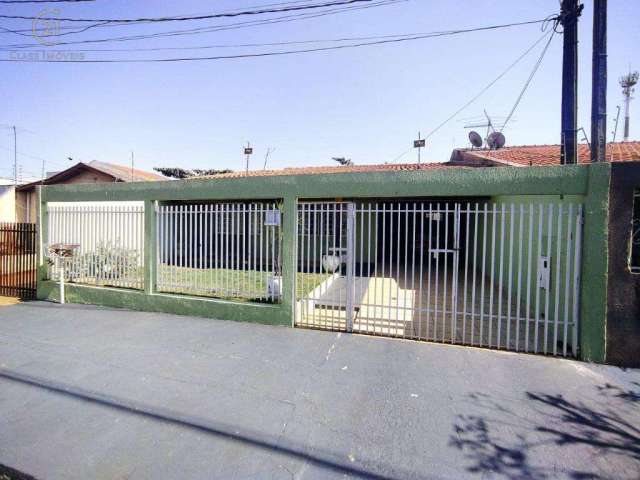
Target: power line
(526,84)
(489,85)
(44,1)
(68,27)
(481,92)
(217,28)
(277,53)
(259,11)
(294,42)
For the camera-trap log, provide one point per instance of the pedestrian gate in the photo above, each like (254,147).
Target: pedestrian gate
(492,275)
(18,260)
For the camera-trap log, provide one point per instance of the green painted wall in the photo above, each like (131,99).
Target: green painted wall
(589,182)
(176,304)
(595,255)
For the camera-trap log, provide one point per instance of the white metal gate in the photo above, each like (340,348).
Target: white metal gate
(492,275)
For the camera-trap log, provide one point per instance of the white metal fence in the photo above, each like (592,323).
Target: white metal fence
(110,237)
(495,275)
(227,250)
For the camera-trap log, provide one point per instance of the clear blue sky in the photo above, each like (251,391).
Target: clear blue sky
(366,103)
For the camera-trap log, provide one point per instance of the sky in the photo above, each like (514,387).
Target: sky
(366,103)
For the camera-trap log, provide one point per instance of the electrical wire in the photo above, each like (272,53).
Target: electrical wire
(397,36)
(214,28)
(44,1)
(480,93)
(528,82)
(69,27)
(258,11)
(268,54)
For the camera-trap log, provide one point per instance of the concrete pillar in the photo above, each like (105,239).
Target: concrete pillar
(150,243)
(289,255)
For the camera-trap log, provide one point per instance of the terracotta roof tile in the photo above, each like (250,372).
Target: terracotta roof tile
(335,169)
(539,155)
(125,173)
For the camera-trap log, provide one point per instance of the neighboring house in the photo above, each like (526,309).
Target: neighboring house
(92,172)
(540,155)
(322,170)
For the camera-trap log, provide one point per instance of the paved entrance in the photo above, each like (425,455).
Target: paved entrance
(88,392)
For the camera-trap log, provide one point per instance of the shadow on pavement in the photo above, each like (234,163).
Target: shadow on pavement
(606,431)
(8,473)
(164,415)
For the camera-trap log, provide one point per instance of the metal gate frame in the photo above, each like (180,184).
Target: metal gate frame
(18,247)
(496,242)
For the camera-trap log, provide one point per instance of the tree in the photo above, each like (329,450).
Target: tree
(342,161)
(177,172)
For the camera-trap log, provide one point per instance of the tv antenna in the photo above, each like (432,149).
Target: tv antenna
(494,139)
(266,157)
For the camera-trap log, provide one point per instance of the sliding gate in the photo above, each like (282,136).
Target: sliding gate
(491,275)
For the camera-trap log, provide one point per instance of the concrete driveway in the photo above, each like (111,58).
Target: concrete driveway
(88,392)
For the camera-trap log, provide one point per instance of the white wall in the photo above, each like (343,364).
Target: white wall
(7,203)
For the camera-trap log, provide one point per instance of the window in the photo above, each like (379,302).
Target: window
(634,261)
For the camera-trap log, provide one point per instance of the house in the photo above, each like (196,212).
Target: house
(91,172)
(539,155)
(537,259)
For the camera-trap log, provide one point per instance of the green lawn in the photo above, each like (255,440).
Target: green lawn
(227,283)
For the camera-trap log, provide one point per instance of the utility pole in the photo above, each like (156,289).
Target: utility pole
(132,165)
(599,83)
(15,156)
(247,151)
(419,144)
(569,13)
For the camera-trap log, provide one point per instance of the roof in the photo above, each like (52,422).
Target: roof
(540,155)
(126,174)
(119,173)
(385,167)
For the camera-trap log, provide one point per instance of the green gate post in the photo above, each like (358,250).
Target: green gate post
(289,256)
(43,234)
(595,255)
(150,243)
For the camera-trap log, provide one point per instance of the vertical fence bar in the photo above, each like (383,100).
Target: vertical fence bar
(537,314)
(445,280)
(567,279)
(500,274)
(556,312)
(519,281)
(576,280)
(548,289)
(482,277)
(455,273)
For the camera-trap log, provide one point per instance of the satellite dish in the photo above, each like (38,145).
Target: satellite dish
(496,140)
(475,139)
